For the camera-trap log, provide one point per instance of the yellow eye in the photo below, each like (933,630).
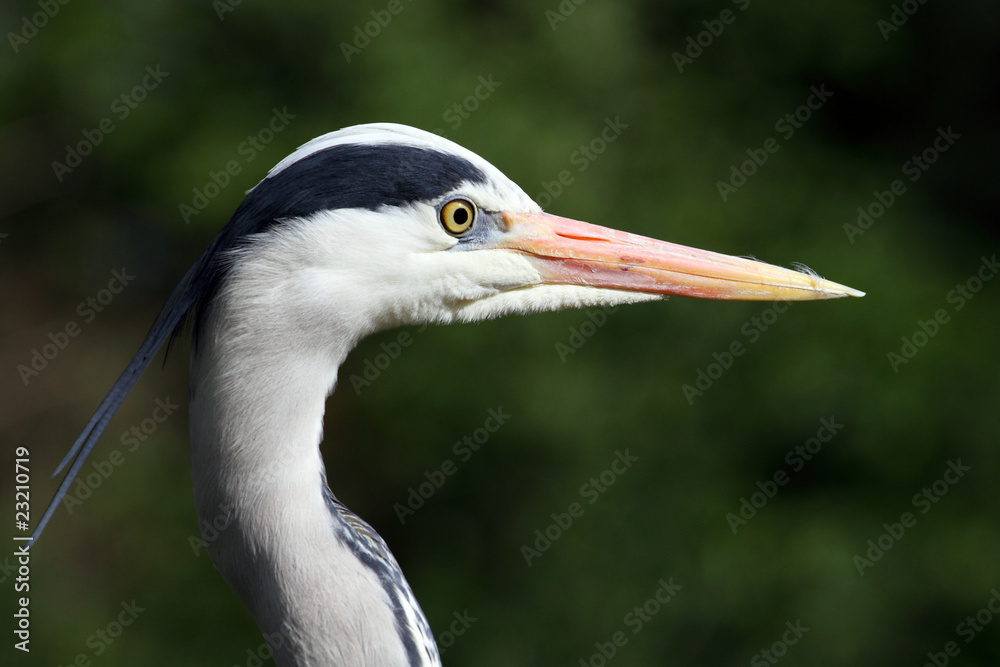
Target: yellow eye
(457,216)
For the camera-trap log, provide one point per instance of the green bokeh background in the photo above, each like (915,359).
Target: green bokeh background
(559,82)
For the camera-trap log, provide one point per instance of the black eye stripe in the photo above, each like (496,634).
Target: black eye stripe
(367,176)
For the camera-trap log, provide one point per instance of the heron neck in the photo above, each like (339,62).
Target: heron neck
(268,520)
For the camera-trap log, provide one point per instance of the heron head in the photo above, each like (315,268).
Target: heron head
(382,225)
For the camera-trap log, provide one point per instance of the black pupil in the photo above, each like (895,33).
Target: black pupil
(461,216)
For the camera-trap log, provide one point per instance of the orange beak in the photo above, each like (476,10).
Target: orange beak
(569,252)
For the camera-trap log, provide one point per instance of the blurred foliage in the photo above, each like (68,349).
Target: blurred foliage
(558,75)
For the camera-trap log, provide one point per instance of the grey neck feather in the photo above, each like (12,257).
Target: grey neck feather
(320,583)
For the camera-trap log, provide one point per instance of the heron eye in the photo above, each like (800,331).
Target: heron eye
(457,216)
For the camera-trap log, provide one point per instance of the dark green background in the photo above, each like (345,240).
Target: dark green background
(622,390)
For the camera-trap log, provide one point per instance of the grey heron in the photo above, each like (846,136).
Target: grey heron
(359,230)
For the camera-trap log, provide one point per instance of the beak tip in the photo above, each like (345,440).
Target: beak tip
(844,290)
